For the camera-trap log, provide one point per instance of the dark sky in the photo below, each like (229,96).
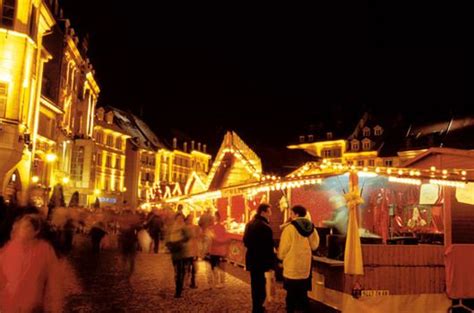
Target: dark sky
(268,71)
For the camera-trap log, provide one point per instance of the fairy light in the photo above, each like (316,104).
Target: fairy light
(400,172)
(433,168)
(409,181)
(448,183)
(463,173)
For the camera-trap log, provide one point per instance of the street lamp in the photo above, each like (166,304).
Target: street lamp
(65,180)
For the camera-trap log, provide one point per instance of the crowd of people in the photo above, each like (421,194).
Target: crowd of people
(31,247)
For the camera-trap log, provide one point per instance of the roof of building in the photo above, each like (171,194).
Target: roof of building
(452,133)
(141,135)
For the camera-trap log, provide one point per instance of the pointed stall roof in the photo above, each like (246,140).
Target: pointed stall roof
(235,164)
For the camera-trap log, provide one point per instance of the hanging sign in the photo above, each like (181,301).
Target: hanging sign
(429,194)
(466,194)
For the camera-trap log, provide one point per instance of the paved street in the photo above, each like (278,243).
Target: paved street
(102,286)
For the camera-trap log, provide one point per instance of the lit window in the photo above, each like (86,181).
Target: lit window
(366,145)
(110,140)
(327,153)
(355,145)
(371,162)
(388,163)
(8,13)
(3,98)
(33,28)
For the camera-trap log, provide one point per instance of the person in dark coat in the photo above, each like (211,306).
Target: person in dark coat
(154,227)
(260,257)
(128,246)
(97,232)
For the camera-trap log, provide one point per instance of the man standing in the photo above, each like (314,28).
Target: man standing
(297,242)
(260,257)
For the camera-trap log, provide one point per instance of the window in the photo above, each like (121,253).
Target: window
(336,153)
(355,145)
(366,132)
(371,162)
(3,98)
(360,163)
(327,153)
(45,126)
(310,138)
(329,135)
(118,144)
(108,161)
(110,140)
(99,158)
(388,163)
(378,130)
(77,165)
(366,145)
(8,13)
(33,28)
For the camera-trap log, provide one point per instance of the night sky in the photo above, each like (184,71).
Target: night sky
(268,72)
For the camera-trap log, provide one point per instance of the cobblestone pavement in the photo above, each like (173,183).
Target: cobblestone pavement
(102,286)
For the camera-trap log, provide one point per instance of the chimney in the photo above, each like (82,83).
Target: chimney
(199,146)
(175,143)
(204,148)
(192,145)
(185,147)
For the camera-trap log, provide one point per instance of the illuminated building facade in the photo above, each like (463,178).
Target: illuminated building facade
(23,25)
(152,167)
(363,147)
(68,98)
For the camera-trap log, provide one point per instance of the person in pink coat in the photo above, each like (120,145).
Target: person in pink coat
(29,279)
(217,251)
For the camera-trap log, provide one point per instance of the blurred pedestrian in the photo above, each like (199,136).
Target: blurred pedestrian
(128,241)
(175,243)
(154,226)
(97,233)
(29,271)
(260,257)
(192,249)
(217,252)
(297,242)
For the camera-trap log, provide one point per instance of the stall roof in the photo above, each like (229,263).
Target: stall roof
(235,164)
(445,158)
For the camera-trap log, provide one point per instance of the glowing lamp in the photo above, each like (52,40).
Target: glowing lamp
(97,192)
(65,180)
(35,179)
(51,157)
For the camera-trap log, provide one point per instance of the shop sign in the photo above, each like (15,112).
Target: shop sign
(375,293)
(107,200)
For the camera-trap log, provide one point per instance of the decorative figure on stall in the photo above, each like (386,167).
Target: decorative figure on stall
(416,220)
(381,214)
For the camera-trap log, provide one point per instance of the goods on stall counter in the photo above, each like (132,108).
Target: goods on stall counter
(416,220)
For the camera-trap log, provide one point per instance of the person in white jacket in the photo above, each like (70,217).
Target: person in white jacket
(298,240)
